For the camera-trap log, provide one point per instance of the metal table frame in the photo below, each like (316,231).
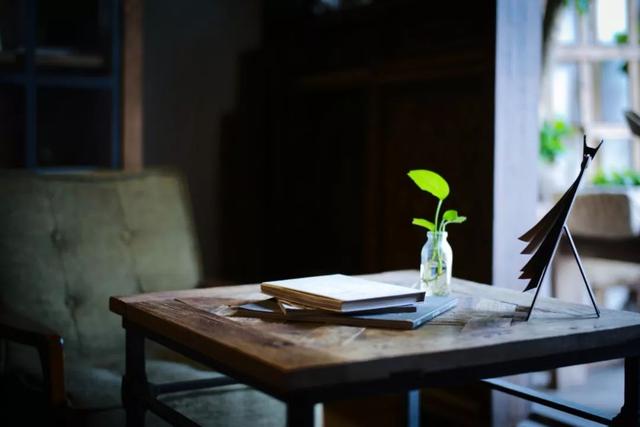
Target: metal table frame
(139,395)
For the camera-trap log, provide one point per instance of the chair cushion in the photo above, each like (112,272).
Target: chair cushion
(232,407)
(96,385)
(229,408)
(94,391)
(97,388)
(68,242)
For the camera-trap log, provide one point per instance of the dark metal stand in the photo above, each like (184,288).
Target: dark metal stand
(574,251)
(582,273)
(543,238)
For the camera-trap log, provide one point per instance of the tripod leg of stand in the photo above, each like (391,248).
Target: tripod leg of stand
(584,276)
(535,297)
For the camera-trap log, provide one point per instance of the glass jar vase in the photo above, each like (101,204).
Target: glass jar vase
(436,264)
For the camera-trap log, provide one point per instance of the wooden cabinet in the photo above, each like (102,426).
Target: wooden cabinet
(61,68)
(350,101)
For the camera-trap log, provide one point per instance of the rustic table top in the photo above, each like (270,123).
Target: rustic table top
(487,329)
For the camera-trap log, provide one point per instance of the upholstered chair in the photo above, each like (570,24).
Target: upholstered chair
(69,242)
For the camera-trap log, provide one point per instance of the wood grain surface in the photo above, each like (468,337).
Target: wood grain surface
(486,328)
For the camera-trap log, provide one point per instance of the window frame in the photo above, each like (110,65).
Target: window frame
(586,53)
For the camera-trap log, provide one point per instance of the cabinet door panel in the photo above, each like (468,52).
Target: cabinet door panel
(317,188)
(443,126)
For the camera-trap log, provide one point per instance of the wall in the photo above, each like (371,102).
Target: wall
(191,54)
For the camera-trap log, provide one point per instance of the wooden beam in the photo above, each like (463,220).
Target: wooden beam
(517,76)
(518,68)
(132,102)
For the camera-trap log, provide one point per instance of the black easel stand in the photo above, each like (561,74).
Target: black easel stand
(543,238)
(574,251)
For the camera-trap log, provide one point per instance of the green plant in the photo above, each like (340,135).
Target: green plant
(552,135)
(622,38)
(433,183)
(436,185)
(627,177)
(582,6)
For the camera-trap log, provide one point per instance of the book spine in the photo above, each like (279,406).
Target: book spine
(435,314)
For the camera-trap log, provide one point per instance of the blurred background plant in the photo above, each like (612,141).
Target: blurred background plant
(626,177)
(552,139)
(622,39)
(582,6)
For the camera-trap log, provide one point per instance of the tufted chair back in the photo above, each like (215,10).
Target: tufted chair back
(68,242)
(595,208)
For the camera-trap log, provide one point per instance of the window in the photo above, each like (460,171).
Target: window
(592,76)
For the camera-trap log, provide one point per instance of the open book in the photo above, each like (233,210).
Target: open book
(340,293)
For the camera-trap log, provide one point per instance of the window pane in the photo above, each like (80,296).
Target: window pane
(611,20)
(12,111)
(12,35)
(565,31)
(73,127)
(564,92)
(611,91)
(615,155)
(74,35)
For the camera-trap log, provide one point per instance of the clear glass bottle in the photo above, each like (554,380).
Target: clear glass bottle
(436,264)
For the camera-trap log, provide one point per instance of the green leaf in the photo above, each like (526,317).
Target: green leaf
(600,178)
(617,178)
(450,215)
(621,38)
(560,128)
(423,223)
(552,137)
(458,220)
(430,182)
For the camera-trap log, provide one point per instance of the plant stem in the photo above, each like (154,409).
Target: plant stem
(437,256)
(437,214)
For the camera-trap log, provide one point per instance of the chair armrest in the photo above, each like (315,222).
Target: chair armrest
(49,344)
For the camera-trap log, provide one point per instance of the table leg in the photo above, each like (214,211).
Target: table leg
(413,408)
(630,413)
(134,379)
(300,414)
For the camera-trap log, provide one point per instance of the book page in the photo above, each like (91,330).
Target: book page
(339,287)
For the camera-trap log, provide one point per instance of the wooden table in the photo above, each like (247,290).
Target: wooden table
(303,364)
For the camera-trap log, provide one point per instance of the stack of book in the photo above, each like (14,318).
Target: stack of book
(346,300)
